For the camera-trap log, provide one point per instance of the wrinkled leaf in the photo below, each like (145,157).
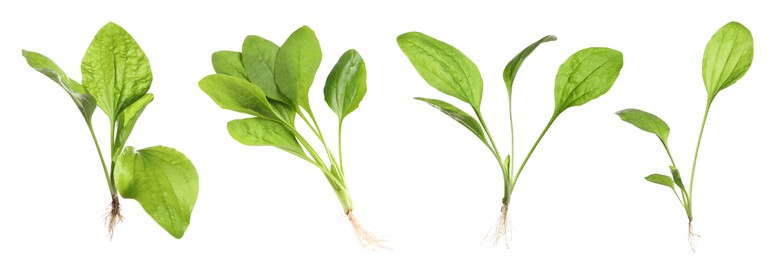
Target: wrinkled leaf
(646,121)
(346,84)
(296,64)
(115,70)
(259,56)
(236,94)
(510,71)
(163,181)
(676,177)
(85,102)
(586,75)
(444,67)
(264,132)
(126,122)
(228,63)
(455,113)
(660,179)
(727,57)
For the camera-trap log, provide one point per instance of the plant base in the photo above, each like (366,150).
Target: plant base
(502,230)
(113,217)
(693,238)
(366,238)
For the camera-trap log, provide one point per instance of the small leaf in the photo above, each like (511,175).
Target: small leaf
(126,122)
(115,70)
(660,179)
(507,163)
(236,94)
(646,121)
(586,75)
(676,177)
(296,64)
(444,67)
(163,181)
(262,132)
(346,84)
(228,63)
(259,56)
(455,113)
(510,71)
(85,102)
(727,57)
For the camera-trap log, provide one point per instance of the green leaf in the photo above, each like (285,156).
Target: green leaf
(346,84)
(443,67)
(296,64)
(228,63)
(727,57)
(85,102)
(510,71)
(586,75)
(259,58)
(126,122)
(676,177)
(660,179)
(287,113)
(163,181)
(264,132)
(646,121)
(236,94)
(507,163)
(455,113)
(115,70)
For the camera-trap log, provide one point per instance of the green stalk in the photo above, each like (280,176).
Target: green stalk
(102,161)
(318,133)
(341,156)
(496,153)
(695,158)
(508,193)
(113,160)
(522,165)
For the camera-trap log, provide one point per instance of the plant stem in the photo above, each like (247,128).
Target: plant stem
(113,160)
(522,165)
(100,154)
(512,133)
(341,156)
(318,133)
(494,149)
(695,158)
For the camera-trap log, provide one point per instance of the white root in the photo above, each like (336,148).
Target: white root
(113,216)
(693,238)
(502,230)
(367,239)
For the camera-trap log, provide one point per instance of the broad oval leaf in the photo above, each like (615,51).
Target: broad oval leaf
(510,71)
(444,67)
(228,63)
(126,122)
(458,115)
(645,121)
(85,102)
(115,70)
(660,179)
(346,84)
(236,94)
(586,75)
(259,57)
(727,57)
(163,181)
(264,132)
(296,64)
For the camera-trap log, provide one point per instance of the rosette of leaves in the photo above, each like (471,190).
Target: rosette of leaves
(116,78)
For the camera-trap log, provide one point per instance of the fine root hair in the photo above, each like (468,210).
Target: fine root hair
(502,230)
(693,238)
(113,216)
(366,239)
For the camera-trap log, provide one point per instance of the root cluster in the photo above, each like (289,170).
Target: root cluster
(693,238)
(502,230)
(113,216)
(367,239)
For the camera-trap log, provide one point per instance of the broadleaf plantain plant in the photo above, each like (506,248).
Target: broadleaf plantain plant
(116,77)
(271,83)
(727,58)
(586,75)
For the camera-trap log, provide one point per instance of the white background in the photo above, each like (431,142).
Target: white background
(418,179)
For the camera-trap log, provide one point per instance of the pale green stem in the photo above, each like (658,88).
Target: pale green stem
(113,160)
(341,155)
(695,158)
(318,133)
(102,161)
(522,165)
(496,153)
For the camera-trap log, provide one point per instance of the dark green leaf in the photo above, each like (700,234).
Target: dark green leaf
(259,56)
(163,181)
(262,132)
(660,179)
(586,75)
(510,71)
(236,94)
(676,177)
(346,84)
(126,122)
(296,64)
(85,102)
(727,58)
(228,63)
(646,121)
(455,113)
(115,70)
(443,67)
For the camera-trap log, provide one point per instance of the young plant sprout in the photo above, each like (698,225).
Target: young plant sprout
(586,75)
(116,76)
(727,58)
(271,83)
